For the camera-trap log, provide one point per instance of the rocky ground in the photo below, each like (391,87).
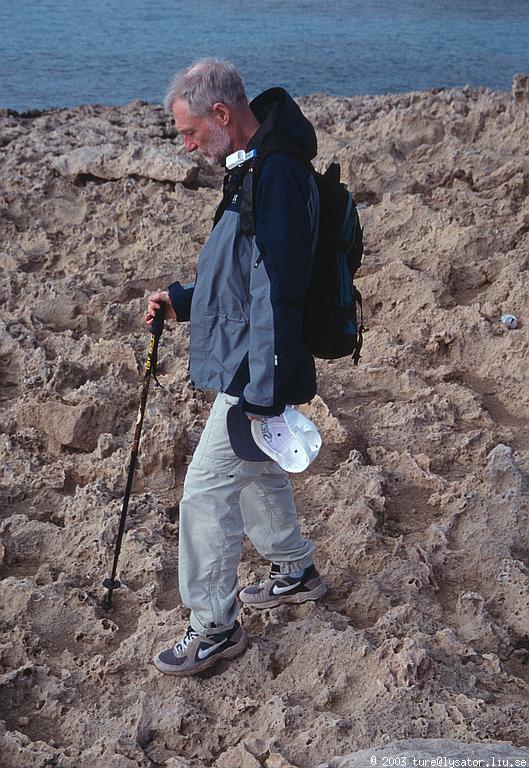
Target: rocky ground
(418,502)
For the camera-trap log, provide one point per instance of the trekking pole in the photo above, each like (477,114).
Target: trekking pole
(150,368)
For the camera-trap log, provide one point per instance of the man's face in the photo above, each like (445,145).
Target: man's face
(203,133)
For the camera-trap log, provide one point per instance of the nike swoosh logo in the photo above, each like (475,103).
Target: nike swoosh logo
(276,590)
(203,653)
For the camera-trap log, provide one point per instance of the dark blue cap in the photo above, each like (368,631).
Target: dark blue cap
(241,438)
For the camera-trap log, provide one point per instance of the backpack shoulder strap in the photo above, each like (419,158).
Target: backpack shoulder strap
(233,182)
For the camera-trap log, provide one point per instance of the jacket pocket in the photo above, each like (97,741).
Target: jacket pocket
(225,342)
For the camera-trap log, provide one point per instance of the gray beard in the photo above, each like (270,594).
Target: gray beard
(219,145)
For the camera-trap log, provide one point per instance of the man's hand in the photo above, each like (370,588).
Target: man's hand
(253,416)
(153,306)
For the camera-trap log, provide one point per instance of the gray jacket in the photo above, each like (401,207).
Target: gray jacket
(246,305)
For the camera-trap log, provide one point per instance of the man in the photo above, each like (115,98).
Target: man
(245,310)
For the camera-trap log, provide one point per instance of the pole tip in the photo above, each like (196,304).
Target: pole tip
(106,603)
(111,585)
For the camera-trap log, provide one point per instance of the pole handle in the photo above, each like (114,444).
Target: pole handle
(158,321)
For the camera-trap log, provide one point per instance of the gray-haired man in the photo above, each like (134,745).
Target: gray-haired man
(245,311)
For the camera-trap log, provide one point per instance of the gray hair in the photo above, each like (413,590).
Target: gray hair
(205,83)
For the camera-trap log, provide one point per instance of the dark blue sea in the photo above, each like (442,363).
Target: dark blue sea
(113,51)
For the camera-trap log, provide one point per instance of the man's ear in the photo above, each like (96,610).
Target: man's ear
(221,113)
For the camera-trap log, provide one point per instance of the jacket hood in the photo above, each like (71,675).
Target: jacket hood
(282,120)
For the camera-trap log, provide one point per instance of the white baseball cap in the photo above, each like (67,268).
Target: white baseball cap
(292,440)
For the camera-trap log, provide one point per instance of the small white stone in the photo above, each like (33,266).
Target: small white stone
(510,321)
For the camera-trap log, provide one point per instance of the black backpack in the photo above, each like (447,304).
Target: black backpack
(331,327)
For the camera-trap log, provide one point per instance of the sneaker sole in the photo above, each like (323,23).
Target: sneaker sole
(229,653)
(299,597)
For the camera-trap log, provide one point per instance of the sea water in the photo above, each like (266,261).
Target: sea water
(113,51)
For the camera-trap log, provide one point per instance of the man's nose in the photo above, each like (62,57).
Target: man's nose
(189,144)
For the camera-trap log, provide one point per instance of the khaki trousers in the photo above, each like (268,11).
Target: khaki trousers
(225,497)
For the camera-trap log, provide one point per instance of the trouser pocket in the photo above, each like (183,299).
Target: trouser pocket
(214,447)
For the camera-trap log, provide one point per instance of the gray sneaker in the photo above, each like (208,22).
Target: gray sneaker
(279,588)
(195,653)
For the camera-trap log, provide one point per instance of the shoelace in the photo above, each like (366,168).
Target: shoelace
(271,575)
(186,640)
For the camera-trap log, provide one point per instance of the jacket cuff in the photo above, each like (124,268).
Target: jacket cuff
(180,300)
(261,410)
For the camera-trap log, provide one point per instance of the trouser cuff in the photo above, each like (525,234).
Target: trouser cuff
(207,629)
(287,567)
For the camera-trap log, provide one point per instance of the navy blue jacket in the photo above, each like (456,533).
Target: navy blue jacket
(246,306)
